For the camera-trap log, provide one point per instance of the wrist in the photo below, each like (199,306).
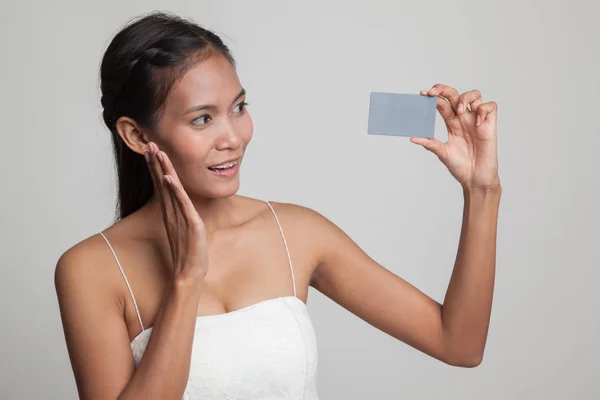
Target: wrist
(493,188)
(186,283)
(482,197)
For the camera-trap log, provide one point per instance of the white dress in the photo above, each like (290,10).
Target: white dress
(265,351)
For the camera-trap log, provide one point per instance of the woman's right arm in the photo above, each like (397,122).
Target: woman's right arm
(98,341)
(95,330)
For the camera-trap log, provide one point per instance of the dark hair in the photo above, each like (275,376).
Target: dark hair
(138,69)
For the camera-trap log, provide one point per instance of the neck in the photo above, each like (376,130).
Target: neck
(216,213)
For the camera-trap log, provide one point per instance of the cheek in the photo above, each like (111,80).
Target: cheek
(189,155)
(194,153)
(247,129)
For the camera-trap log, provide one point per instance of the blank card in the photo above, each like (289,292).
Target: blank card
(397,114)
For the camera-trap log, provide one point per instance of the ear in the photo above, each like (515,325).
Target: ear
(132,134)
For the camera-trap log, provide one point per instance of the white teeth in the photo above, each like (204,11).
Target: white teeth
(226,165)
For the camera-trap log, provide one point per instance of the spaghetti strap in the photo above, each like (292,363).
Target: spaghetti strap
(137,311)
(286,246)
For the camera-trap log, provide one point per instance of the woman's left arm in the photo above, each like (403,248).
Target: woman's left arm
(456,331)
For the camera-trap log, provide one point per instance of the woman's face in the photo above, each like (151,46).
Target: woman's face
(204,123)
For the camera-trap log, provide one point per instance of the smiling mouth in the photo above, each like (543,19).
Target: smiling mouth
(225,166)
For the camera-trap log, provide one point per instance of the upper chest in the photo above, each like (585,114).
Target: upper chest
(246,266)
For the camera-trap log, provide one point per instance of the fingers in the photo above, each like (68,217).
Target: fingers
(447,92)
(451,105)
(170,201)
(443,106)
(471,98)
(156,173)
(486,111)
(445,109)
(431,144)
(184,202)
(169,212)
(151,169)
(166,169)
(176,190)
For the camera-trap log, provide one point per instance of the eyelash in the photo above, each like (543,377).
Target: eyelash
(243,105)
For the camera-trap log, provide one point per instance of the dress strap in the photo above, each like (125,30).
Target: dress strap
(286,246)
(137,311)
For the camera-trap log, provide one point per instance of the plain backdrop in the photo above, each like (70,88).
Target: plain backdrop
(308,67)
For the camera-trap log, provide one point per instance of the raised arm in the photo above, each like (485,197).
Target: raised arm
(92,315)
(456,331)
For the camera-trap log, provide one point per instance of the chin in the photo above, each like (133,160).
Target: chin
(218,191)
(225,191)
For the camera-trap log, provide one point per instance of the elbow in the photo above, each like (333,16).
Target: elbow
(465,361)
(470,362)
(464,354)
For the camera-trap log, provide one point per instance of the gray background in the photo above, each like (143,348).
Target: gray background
(309,68)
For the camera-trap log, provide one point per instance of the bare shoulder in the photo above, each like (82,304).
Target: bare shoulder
(299,215)
(81,264)
(83,282)
(82,279)
(309,231)
(91,310)
(85,263)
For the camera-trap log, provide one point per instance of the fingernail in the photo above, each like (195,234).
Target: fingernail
(460,107)
(478,120)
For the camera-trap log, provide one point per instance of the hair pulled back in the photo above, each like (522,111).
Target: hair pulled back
(139,67)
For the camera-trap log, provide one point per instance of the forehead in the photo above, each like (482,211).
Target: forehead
(211,80)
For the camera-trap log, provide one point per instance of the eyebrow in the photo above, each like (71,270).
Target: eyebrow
(212,106)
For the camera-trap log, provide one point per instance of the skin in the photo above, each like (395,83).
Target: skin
(235,241)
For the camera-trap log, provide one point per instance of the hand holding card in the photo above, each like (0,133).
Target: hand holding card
(471,150)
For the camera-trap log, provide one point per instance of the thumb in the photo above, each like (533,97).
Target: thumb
(431,144)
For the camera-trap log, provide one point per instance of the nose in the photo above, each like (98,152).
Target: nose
(228,137)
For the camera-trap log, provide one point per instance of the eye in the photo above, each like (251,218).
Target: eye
(202,120)
(241,107)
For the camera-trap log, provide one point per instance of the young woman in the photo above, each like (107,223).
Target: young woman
(199,293)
